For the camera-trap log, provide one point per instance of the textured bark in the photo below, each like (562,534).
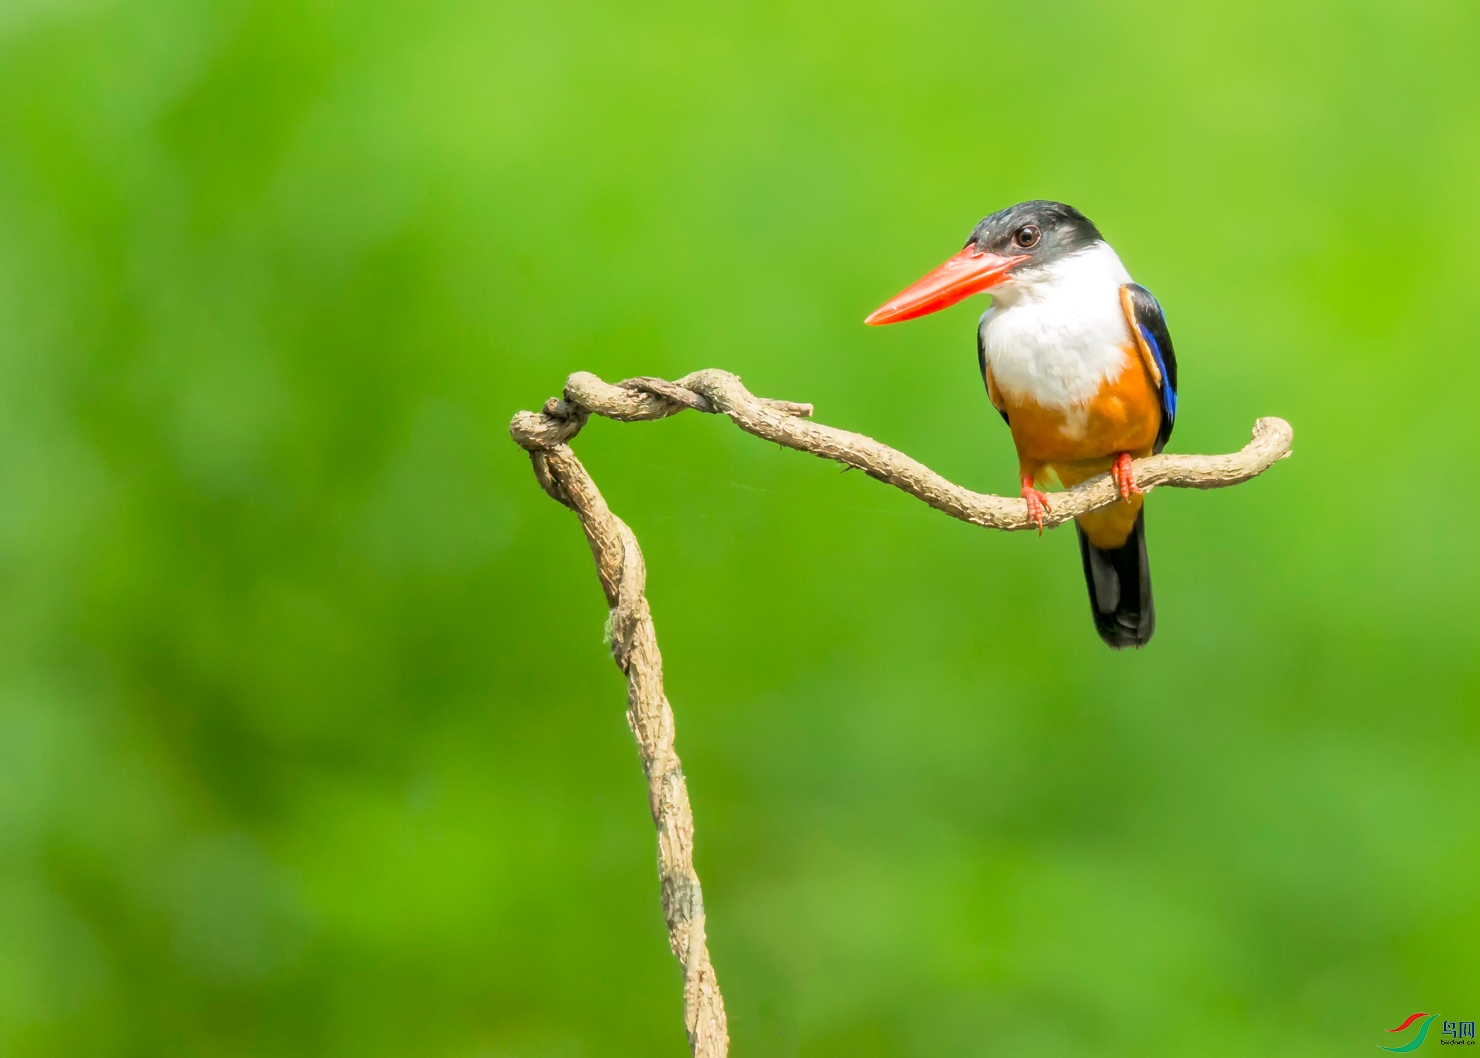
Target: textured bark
(634,643)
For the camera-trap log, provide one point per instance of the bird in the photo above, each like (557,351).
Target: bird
(1078,361)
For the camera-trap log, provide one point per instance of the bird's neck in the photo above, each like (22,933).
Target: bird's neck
(1093,272)
(1056,334)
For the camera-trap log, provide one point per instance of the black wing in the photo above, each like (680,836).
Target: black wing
(981,359)
(1151,324)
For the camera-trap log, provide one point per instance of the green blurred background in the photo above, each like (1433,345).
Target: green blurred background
(309,743)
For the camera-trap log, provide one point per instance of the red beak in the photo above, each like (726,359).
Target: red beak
(970,272)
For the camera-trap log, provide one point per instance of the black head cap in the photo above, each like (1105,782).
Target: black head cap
(1039,230)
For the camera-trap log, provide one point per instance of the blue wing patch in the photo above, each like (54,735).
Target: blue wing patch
(1168,394)
(1143,313)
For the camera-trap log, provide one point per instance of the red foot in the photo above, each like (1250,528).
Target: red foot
(1125,477)
(1037,503)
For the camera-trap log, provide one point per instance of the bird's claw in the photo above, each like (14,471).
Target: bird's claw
(1037,504)
(1125,477)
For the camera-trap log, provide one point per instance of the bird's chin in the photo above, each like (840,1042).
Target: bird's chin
(1024,282)
(1008,292)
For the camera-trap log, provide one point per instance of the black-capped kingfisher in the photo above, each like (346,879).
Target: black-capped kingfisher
(1078,361)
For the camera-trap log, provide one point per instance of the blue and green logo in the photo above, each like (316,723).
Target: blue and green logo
(1457,1033)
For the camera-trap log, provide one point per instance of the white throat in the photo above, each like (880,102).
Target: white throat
(1055,335)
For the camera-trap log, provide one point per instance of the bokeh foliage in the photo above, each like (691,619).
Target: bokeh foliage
(308,741)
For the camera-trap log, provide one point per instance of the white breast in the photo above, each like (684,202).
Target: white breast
(1055,335)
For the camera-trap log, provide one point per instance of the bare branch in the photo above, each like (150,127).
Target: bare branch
(788,424)
(634,644)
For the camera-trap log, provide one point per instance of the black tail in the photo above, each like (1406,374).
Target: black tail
(1120,588)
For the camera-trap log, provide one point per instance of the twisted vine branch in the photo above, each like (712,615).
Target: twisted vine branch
(546,435)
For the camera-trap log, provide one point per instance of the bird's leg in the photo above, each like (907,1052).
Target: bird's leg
(1037,502)
(1125,477)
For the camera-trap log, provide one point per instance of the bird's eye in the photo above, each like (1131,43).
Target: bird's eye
(1027,236)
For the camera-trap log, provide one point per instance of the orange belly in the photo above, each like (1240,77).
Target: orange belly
(1078,443)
